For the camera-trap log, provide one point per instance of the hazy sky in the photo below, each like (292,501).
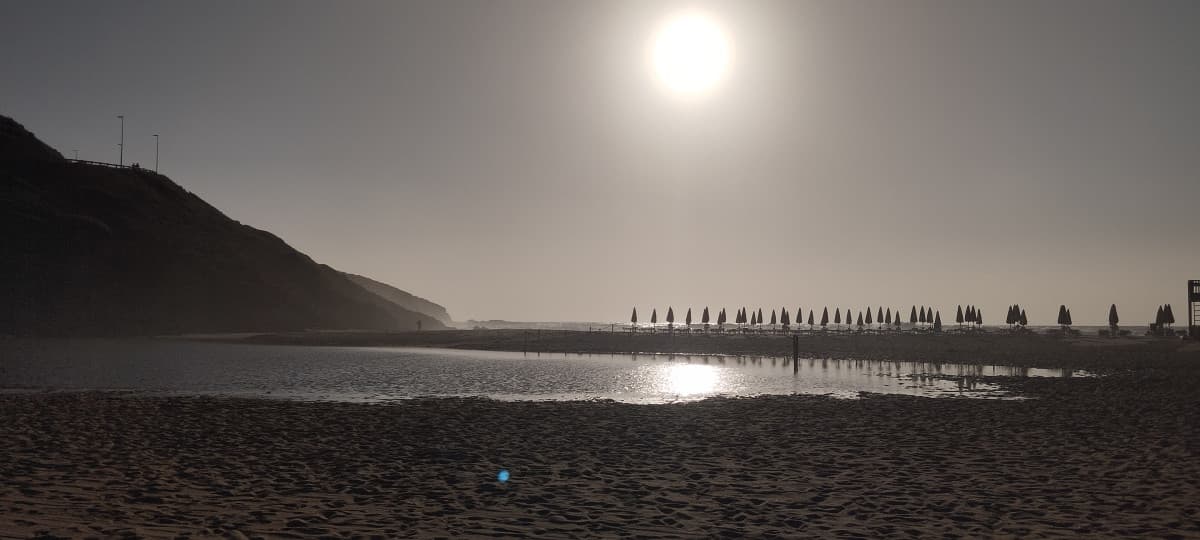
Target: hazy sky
(517,160)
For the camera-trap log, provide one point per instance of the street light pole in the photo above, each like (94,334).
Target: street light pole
(121,145)
(155,152)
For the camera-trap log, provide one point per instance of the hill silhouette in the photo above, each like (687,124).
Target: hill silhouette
(17,143)
(401,298)
(96,250)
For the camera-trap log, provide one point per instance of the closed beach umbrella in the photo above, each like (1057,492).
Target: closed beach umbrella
(654,316)
(879,316)
(1069,321)
(921,315)
(824,316)
(810,319)
(1062,314)
(704,316)
(633,319)
(760,317)
(774,320)
(1024,320)
(896,321)
(783,317)
(1170,315)
(912,317)
(837,316)
(848,317)
(958,317)
(670,315)
(1113,319)
(888,317)
(979,317)
(688,318)
(869,321)
(937,321)
(860,319)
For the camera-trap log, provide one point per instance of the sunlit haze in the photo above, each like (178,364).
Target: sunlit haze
(543,161)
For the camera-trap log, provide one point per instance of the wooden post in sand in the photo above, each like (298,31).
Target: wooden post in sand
(795,354)
(1194,308)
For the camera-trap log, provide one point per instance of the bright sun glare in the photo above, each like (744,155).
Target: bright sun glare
(690,54)
(690,379)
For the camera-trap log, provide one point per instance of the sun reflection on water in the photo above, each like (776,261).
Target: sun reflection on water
(690,379)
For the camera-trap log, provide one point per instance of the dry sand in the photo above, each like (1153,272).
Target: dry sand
(1114,456)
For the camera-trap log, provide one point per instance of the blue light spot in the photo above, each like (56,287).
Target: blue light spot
(503,476)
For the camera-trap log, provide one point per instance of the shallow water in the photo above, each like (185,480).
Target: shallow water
(381,374)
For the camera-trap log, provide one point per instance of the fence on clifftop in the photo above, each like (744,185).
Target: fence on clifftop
(103,164)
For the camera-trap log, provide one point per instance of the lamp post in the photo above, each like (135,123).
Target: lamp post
(155,152)
(121,145)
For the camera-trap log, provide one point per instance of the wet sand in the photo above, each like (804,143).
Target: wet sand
(984,347)
(1113,456)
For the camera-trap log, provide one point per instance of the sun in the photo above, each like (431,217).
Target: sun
(690,54)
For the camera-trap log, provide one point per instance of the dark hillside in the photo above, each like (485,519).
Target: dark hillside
(95,250)
(401,298)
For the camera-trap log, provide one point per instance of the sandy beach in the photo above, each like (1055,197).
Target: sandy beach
(1112,456)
